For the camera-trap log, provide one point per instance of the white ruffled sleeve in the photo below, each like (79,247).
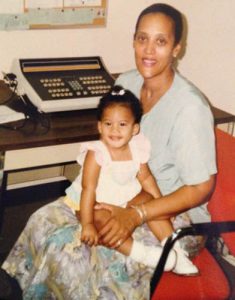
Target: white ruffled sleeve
(95,146)
(141,147)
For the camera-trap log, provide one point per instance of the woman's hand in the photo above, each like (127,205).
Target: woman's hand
(119,226)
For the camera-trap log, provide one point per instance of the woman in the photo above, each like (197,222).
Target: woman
(49,260)
(177,120)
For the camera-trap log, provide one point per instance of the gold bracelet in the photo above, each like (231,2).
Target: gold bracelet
(140,213)
(144,213)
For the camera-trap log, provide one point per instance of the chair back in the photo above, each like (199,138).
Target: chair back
(222,202)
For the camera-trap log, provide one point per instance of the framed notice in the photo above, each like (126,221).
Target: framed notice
(52,14)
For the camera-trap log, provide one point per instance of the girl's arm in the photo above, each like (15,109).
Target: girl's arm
(91,171)
(148,182)
(149,186)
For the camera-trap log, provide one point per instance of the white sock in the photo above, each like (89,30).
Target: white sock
(150,255)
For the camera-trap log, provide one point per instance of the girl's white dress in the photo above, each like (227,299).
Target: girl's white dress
(118,181)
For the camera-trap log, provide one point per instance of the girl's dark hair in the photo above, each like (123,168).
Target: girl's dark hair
(120,96)
(169,11)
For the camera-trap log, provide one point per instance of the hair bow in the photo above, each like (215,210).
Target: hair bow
(118,93)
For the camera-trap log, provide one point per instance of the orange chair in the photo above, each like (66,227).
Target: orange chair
(217,276)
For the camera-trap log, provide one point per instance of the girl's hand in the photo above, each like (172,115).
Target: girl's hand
(119,226)
(89,235)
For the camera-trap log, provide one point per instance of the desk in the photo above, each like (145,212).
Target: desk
(60,144)
(66,128)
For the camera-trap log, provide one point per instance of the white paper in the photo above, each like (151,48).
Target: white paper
(9,115)
(32,4)
(74,3)
(17,6)
(11,6)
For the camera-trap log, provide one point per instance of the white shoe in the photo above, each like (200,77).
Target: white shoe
(184,266)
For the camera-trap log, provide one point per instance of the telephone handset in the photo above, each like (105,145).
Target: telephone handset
(16,110)
(5,92)
(10,109)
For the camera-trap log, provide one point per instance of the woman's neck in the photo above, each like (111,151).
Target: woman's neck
(154,88)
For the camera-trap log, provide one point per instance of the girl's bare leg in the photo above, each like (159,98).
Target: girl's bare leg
(160,228)
(147,255)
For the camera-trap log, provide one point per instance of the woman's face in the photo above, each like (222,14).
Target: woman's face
(154,45)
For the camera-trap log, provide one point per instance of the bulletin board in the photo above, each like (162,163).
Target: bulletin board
(52,14)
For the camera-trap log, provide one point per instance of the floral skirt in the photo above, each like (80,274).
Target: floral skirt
(50,262)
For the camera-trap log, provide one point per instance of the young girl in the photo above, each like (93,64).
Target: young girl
(114,170)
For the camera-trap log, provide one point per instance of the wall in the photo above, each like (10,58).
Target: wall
(209,59)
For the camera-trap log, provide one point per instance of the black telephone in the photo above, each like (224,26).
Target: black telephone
(10,98)
(7,88)
(16,110)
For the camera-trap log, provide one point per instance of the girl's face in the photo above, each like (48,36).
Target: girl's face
(117,126)
(154,45)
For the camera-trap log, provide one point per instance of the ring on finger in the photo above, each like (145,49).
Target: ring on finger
(119,243)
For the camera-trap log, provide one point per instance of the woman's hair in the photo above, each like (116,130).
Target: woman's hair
(120,96)
(170,12)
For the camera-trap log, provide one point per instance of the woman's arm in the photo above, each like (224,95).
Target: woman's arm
(123,221)
(181,200)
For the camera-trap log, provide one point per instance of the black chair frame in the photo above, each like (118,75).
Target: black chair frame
(212,231)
